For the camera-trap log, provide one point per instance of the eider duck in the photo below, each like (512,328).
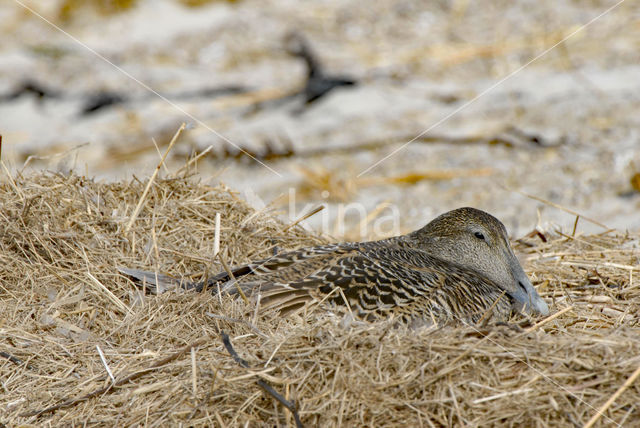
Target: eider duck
(459,267)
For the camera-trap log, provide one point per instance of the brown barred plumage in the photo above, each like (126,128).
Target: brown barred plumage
(456,268)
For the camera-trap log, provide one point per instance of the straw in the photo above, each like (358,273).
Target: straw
(62,297)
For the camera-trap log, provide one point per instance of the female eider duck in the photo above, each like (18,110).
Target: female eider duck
(458,267)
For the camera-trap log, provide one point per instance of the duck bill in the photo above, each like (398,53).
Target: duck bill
(527,299)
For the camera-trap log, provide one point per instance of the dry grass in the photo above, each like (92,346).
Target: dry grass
(64,304)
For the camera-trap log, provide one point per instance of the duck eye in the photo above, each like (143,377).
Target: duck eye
(479,235)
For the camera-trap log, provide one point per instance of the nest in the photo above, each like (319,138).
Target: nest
(81,345)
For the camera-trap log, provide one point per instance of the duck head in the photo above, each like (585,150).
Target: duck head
(477,240)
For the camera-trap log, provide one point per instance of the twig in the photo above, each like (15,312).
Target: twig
(11,181)
(227,344)
(346,302)
(289,405)
(548,319)
(575,226)
(104,363)
(194,373)
(613,398)
(502,395)
(227,269)
(216,236)
(119,382)
(8,356)
(155,144)
(134,216)
(238,320)
(304,217)
(119,303)
(489,312)
(192,160)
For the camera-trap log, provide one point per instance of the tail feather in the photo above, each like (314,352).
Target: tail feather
(276,296)
(155,282)
(283,299)
(286,303)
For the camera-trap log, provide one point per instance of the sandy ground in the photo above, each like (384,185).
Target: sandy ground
(563,115)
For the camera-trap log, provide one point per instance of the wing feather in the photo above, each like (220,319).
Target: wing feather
(374,278)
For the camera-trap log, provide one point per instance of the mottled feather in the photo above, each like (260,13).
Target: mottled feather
(457,267)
